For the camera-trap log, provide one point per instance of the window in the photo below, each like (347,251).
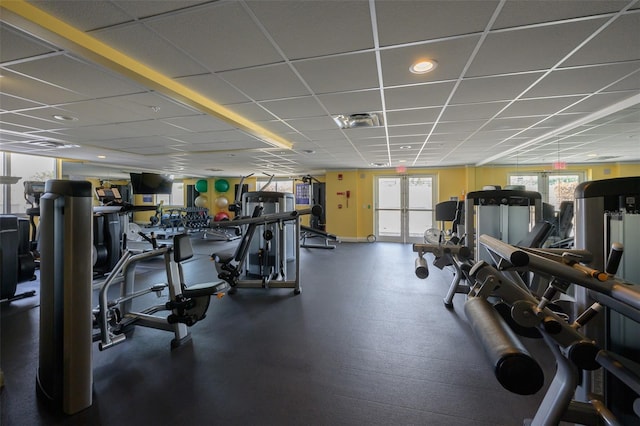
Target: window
(554,187)
(275,185)
(176,198)
(27,167)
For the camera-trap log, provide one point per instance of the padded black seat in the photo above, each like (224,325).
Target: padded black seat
(183,250)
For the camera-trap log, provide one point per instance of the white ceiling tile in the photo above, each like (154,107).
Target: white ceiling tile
(472,111)
(150,50)
(224,32)
(493,88)
(620,41)
(142,9)
(546,46)
(352,102)
(85,15)
(16,45)
(36,91)
(408,21)
(539,106)
(451,56)
(409,116)
(314,123)
(269,82)
(198,123)
(77,76)
(295,108)
(151,105)
(214,88)
(344,27)
(251,111)
(582,80)
(417,96)
(338,73)
(516,13)
(12,103)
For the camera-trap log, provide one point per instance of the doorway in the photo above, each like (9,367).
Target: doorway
(404,207)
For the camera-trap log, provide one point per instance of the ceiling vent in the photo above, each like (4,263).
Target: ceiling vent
(362,119)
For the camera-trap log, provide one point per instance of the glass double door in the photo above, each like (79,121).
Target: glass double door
(404,207)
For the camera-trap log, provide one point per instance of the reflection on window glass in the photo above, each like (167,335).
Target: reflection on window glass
(29,168)
(176,198)
(562,188)
(530,182)
(275,186)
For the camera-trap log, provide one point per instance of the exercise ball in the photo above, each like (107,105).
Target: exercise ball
(222,185)
(201,201)
(201,185)
(222,202)
(221,216)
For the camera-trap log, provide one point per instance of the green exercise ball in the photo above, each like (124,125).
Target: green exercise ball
(222,185)
(201,185)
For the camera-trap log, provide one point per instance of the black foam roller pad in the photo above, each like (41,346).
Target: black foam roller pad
(514,368)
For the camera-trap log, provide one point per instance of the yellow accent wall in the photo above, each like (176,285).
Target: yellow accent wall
(355,221)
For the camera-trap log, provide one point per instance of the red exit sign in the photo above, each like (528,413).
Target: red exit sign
(559,165)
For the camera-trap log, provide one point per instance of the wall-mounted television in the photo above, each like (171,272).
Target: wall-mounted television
(151,183)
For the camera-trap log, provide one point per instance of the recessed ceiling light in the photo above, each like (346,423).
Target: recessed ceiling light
(592,155)
(402,161)
(102,157)
(405,147)
(423,67)
(308,151)
(379,164)
(65,118)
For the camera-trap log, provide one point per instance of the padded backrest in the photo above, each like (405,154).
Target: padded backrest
(537,236)
(182,248)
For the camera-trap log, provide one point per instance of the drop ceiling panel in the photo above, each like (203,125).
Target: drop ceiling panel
(150,49)
(315,123)
(585,80)
(417,96)
(71,74)
(477,111)
(344,27)
(451,56)
(617,42)
(251,111)
(546,46)
(36,91)
(213,87)
(198,123)
(151,105)
(221,35)
(269,82)
(12,103)
(91,112)
(493,88)
(425,20)
(539,106)
(338,73)
(352,102)
(525,13)
(306,106)
(17,45)
(418,115)
(32,122)
(140,9)
(597,102)
(84,15)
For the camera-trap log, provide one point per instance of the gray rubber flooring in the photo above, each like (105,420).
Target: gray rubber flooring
(366,343)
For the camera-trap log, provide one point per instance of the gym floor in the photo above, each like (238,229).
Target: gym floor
(365,343)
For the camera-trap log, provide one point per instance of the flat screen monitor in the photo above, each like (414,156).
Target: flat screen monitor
(151,183)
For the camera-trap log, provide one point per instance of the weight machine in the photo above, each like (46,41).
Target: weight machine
(186,304)
(239,268)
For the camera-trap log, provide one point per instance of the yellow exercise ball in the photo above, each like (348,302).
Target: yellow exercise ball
(201,201)
(222,202)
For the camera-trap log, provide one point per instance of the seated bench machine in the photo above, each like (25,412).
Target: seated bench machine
(232,266)
(186,304)
(572,350)
(308,232)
